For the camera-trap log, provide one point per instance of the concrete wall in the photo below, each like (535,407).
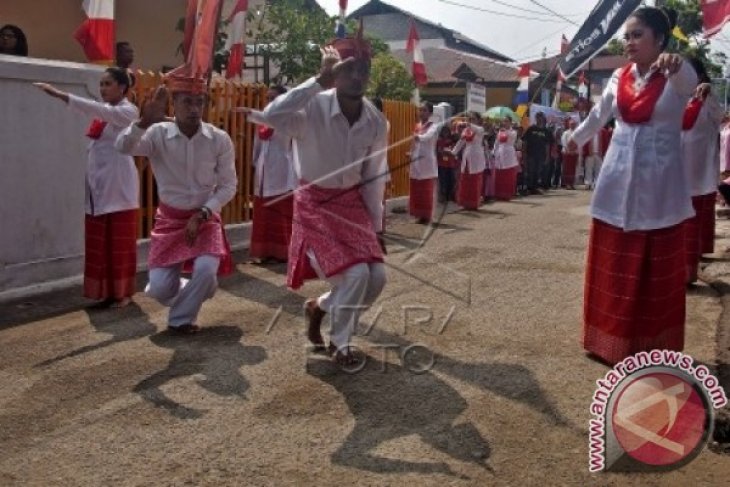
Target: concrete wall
(43,160)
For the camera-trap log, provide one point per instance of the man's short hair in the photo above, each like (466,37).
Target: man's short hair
(428,105)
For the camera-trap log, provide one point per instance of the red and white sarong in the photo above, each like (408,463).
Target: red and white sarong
(505,183)
(335,226)
(168,245)
(634,291)
(271,227)
(110,258)
(420,198)
(469,193)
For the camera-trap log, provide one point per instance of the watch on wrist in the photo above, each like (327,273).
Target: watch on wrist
(205,213)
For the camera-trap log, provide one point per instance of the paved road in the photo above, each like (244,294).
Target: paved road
(109,398)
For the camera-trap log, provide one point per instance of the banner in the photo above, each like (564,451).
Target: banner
(715,13)
(553,116)
(602,23)
(476,98)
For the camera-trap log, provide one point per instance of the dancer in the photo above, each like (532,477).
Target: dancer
(340,153)
(635,276)
(194,169)
(112,192)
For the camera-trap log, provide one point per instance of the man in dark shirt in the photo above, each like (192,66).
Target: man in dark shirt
(537,141)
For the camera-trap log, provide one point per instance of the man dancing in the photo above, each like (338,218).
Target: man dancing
(193,163)
(340,142)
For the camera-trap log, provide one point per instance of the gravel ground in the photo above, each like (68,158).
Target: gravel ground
(493,297)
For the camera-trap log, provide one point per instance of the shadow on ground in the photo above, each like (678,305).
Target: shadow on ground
(216,353)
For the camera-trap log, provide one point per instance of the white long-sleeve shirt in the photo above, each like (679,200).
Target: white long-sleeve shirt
(328,151)
(473,160)
(642,184)
(725,148)
(700,151)
(190,172)
(424,164)
(273,162)
(112,183)
(505,155)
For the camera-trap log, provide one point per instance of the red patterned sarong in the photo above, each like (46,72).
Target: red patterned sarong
(169,247)
(110,261)
(420,199)
(505,183)
(271,228)
(570,162)
(469,193)
(334,224)
(634,291)
(705,211)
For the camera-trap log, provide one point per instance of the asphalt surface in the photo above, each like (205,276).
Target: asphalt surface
(493,298)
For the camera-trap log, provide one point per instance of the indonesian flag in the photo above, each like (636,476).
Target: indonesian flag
(558,89)
(414,47)
(340,27)
(201,24)
(564,45)
(234,43)
(715,13)
(582,85)
(523,89)
(96,33)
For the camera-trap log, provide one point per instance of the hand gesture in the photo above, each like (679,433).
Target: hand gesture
(154,108)
(332,64)
(669,63)
(52,91)
(703,90)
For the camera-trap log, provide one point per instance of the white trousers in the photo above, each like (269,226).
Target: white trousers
(183,296)
(592,168)
(353,291)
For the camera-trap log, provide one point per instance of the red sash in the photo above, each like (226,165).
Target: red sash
(265,132)
(468,134)
(95,129)
(691,113)
(638,106)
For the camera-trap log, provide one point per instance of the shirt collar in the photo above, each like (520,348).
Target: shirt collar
(173,131)
(336,110)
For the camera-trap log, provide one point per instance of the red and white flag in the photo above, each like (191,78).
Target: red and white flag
(558,89)
(96,33)
(715,14)
(582,85)
(414,46)
(564,45)
(234,43)
(201,25)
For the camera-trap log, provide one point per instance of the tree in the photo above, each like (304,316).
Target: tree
(389,78)
(291,36)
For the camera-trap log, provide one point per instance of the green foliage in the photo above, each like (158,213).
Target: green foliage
(389,79)
(291,35)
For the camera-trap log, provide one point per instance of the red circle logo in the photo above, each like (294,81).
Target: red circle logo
(659,419)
